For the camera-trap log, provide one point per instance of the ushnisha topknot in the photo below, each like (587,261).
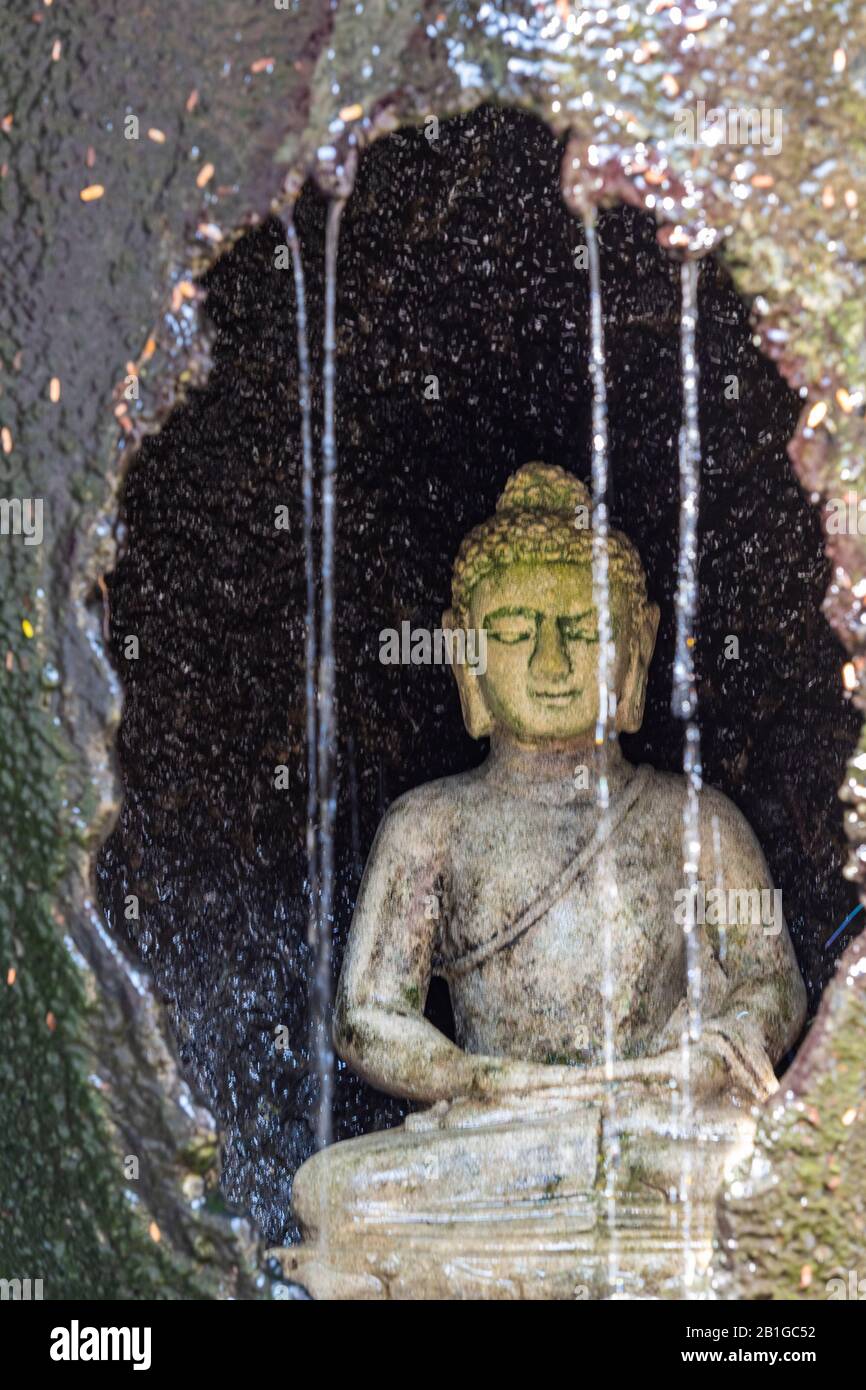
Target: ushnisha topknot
(543,514)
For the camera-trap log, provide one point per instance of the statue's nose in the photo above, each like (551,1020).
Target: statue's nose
(549,663)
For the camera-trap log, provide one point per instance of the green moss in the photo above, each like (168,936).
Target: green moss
(803,1219)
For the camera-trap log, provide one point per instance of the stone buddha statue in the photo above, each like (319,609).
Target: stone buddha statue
(578,1127)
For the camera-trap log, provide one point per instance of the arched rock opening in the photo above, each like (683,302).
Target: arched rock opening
(457,262)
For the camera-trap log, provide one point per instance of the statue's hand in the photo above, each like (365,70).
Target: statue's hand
(499,1076)
(501,1090)
(703,1074)
(711,1073)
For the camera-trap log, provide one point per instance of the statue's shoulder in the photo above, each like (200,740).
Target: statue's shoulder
(719,816)
(425,815)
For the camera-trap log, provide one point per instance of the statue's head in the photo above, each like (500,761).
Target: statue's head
(525,578)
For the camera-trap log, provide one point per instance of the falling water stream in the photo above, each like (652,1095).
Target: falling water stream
(685,708)
(318,930)
(327,731)
(606,709)
(310,632)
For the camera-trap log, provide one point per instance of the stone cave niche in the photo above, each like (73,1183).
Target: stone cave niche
(462,353)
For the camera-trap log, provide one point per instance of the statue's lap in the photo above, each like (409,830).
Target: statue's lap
(441,1172)
(489,1162)
(477,1201)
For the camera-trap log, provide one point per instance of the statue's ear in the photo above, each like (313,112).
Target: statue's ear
(633,698)
(476,715)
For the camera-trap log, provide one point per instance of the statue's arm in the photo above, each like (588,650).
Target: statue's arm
(379,1025)
(754,997)
(765,994)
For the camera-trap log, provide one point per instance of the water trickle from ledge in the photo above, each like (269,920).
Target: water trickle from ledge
(327,731)
(310,619)
(606,701)
(685,702)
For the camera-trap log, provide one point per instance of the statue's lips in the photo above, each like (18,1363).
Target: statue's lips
(559,697)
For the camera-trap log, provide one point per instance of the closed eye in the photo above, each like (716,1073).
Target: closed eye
(582,627)
(511,633)
(511,625)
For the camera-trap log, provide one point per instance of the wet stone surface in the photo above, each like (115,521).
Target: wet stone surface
(86,1068)
(792,1218)
(457,261)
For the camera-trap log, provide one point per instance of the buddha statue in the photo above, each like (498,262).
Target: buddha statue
(577,1129)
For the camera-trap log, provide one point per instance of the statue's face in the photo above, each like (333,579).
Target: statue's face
(541,681)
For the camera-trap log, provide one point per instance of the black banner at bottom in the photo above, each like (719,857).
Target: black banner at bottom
(80,1339)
